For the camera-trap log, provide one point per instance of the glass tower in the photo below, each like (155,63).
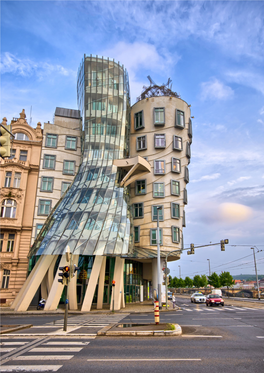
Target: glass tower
(93,216)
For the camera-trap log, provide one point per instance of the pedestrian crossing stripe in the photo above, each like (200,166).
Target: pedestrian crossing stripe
(44,357)
(30,368)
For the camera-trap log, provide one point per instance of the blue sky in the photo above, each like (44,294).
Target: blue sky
(214,53)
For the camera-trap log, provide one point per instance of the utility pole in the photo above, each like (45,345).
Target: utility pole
(158,257)
(179,271)
(252,248)
(209,267)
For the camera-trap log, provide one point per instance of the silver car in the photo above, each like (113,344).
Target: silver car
(198,298)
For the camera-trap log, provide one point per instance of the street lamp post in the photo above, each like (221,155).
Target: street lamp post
(158,257)
(209,267)
(252,248)
(179,271)
(166,281)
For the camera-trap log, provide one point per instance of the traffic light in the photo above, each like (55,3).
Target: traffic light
(74,268)
(65,274)
(192,250)
(113,283)
(5,141)
(223,242)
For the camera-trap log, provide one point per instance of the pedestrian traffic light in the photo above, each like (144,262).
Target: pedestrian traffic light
(65,274)
(223,242)
(192,249)
(113,283)
(74,268)
(5,140)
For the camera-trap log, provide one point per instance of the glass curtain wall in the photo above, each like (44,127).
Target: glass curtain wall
(93,217)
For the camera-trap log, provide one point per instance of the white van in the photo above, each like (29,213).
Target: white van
(217,291)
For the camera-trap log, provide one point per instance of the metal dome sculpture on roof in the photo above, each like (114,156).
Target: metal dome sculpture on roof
(155,90)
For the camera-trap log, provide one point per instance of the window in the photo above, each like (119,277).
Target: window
(185,199)
(186,174)
(5,280)
(8,209)
(17,179)
(51,140)
(159,167)
(175,210)
(138,120)
(176,165)
(140,187)
(10,243)
(136,234)
(71,143)
(23,155)
(142,143)
(159,141)
(21,136)
(138,210)
(155,211)
(64,187)
(177,143)
(159,116)
(12,153)
(46,184)
(158,190)
(183,219)
(68,167)
(180,121)
(175,188)
(44,207)
(175,234)
(98,105)
(190,128)
(8,177)
(1,241)
(49,161)
(153,236)
(188,150)
(38,229)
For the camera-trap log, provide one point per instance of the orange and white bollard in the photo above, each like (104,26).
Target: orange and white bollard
(156,312)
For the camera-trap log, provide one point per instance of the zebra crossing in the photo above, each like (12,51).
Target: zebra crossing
(218,309)
(35,355)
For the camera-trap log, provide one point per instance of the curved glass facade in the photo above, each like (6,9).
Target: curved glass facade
(93,216)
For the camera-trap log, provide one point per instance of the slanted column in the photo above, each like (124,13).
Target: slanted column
(88,299)
(118,288)
(100,294)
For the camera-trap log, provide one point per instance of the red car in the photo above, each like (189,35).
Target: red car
(214,300)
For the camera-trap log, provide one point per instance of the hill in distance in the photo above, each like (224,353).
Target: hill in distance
(247,277)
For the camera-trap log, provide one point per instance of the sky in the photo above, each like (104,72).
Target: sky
(214,53)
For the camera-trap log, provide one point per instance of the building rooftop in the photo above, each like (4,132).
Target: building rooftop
(68,113)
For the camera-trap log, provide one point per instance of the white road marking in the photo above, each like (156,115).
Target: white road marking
(66,343)
(260,336)
(45,357)
(201,336)
(151,360)
(30,368)
(56,349)
(12,343)
(7,349)
(241,326)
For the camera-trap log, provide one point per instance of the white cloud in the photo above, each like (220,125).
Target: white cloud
(214,89)
(207,177)
(26,67)
(240,179)
(248,79)
(260,121)
(261,112)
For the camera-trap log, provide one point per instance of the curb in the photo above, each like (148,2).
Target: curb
(141,333)
(10,330)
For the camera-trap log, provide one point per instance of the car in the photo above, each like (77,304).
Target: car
(169,295)
(214,300)
(198,298)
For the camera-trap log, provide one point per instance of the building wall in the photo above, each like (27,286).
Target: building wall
(22,170)
(62,128)
(164,153)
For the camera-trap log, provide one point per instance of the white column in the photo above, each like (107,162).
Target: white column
(118,289)
(73,286)
(100,293)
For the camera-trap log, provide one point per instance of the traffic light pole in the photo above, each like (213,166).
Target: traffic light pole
(66,307)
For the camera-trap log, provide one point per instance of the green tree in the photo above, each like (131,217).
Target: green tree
(214,280)
(181,283)
(197,281)
(203,282)
(188,282)
(174,282)
(226,279)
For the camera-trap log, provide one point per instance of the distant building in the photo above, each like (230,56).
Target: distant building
(19,177)
(60,160)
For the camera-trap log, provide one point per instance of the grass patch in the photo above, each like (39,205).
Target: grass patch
(170,327)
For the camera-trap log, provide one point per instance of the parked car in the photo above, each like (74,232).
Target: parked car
(198,298)
(214,300)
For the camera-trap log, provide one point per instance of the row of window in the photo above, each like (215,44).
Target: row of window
(47,182)
(10,243)
(159,118)
(23,154)
(160,143)
(138,211)
(158,188)
(160,167)
(5,279)
(175,235)
(16,180)
(52,141)
(49,162)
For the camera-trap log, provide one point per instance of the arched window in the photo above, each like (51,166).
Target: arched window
(8,209)
(21,136)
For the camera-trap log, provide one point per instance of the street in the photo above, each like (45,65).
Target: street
(214,339)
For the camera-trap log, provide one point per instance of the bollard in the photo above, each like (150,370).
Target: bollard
(156,312)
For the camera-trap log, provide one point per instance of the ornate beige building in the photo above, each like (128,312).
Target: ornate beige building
(19,177)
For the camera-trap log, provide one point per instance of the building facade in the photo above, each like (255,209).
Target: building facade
(133,161)
(59,163)
(19,177)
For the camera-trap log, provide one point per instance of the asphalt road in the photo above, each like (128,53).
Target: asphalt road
(215,339)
